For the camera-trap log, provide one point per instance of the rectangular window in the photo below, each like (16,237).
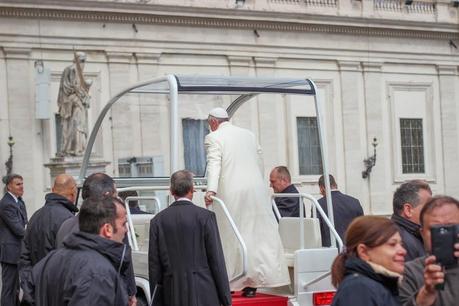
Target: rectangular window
(135,167)
(309,155)
(194,131)
(412,143)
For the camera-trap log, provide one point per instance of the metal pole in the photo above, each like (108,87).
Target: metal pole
(173,96)
(324,151)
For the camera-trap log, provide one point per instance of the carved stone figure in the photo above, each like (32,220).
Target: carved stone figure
(73,102)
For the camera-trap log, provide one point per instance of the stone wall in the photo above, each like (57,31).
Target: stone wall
(372,60)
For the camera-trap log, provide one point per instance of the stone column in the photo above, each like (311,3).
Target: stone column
(378,182)
(28,150)
(447,77)
(121,133)
(247,115)
(4,122)
(273,132)
(149,124)
(354,136)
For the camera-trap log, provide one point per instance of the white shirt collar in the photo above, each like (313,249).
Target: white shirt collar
(14,197)
(184,199)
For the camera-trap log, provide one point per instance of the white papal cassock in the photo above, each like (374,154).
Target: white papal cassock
(234,171)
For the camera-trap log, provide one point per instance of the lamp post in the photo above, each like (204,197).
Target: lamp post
(370,162)
(9,162)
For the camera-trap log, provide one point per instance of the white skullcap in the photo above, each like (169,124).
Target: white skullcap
(219,113)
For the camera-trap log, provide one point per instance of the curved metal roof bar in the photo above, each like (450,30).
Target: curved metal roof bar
(234,106)
(95,129)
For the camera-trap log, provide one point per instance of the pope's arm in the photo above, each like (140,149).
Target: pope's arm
(214,162)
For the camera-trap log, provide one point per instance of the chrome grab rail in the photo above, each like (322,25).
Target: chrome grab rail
(238,236)
(131,234)
(319,209)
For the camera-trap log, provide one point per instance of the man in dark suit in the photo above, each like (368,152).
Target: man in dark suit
(281,182)
(13,218)
(345,209)
(186,266)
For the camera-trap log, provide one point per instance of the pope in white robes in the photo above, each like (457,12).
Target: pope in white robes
(235,175)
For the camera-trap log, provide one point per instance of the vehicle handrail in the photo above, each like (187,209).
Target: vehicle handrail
(275,209)
(238,236)
(157,201)
(319,209)
(315,280)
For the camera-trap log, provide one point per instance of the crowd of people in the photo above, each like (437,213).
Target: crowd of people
(60,258)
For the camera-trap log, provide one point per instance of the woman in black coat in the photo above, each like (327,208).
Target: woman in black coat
(367,273)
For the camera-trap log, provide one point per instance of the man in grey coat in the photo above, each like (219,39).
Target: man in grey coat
(423,274)
(186,266)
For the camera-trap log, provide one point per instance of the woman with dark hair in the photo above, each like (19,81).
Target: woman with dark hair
(368,271)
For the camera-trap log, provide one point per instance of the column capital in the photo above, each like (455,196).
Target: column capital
(265,62)
(241,61)
(372,66)
(349,66)
(119,57)
(447,69)
(17,53)
(147,57)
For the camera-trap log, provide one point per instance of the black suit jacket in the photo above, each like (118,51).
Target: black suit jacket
(13,218)
(185,258)
(288,207)
(345,209)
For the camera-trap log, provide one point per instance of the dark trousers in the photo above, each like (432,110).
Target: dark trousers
(10,285)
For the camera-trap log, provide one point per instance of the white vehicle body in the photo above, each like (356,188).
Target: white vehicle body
(310,263)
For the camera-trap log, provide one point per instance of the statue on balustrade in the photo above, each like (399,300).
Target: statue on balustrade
(73,102)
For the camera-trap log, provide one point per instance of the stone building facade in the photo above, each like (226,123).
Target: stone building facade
(384,68)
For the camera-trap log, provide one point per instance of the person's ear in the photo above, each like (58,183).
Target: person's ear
(407,210)
(106,231)
(362,252)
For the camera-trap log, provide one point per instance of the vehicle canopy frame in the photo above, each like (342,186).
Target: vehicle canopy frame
(244,86)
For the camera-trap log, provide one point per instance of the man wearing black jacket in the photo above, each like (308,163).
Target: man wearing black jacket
(408,201)
(86,271)
(186,266)
(281,182)
(345,209)
(99,186)
(40,236)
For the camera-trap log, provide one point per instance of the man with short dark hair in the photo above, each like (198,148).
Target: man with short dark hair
(40,235)
(408,201)
(86,270)
(345,209)
(186,266)
(98,186)
(421,275)
(281,182)
(13,218)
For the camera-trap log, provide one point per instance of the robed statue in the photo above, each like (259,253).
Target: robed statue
(73,102)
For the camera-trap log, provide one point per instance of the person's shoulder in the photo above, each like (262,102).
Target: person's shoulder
(415,266)
(353,283)
(7,199)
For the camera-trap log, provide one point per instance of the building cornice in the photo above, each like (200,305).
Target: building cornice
(228,18)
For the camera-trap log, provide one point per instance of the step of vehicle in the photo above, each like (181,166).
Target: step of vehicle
(261,299)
